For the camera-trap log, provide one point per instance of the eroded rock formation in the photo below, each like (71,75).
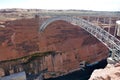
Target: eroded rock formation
(110,72)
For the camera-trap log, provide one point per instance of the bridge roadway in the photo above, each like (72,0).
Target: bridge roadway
(110,41)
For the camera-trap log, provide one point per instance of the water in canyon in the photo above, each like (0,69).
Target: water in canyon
(83,74)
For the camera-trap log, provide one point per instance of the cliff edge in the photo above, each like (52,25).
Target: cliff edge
(110,72)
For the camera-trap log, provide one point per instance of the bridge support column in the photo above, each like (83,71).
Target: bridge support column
(115,31)
(104,20)
(88,18)
(97,20)
(109,24)
(114,58)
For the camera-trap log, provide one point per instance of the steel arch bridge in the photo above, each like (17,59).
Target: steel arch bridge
(110,41)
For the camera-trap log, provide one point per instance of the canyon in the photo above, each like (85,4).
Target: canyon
(57,51)
(22,38)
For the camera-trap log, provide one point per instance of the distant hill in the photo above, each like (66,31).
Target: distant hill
(28,13)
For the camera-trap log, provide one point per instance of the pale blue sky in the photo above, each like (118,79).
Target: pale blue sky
(99,5)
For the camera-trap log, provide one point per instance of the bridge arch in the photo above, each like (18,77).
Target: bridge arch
(110,41)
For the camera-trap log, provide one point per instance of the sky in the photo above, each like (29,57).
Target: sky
(98,5)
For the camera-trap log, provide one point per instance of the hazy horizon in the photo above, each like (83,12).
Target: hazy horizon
(94,5)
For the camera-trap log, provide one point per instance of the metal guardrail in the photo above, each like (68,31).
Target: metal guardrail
(110,41)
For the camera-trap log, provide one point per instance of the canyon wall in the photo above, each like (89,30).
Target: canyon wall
(22,38)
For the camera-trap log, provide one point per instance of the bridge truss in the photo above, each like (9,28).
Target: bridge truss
(110,41)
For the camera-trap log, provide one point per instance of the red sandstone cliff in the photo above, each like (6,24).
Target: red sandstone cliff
(62,36)
(18,38)
(21,37)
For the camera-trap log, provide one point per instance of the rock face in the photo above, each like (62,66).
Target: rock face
(18,38)
(51,64)
(110,72)
(64,37)
(22,37)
